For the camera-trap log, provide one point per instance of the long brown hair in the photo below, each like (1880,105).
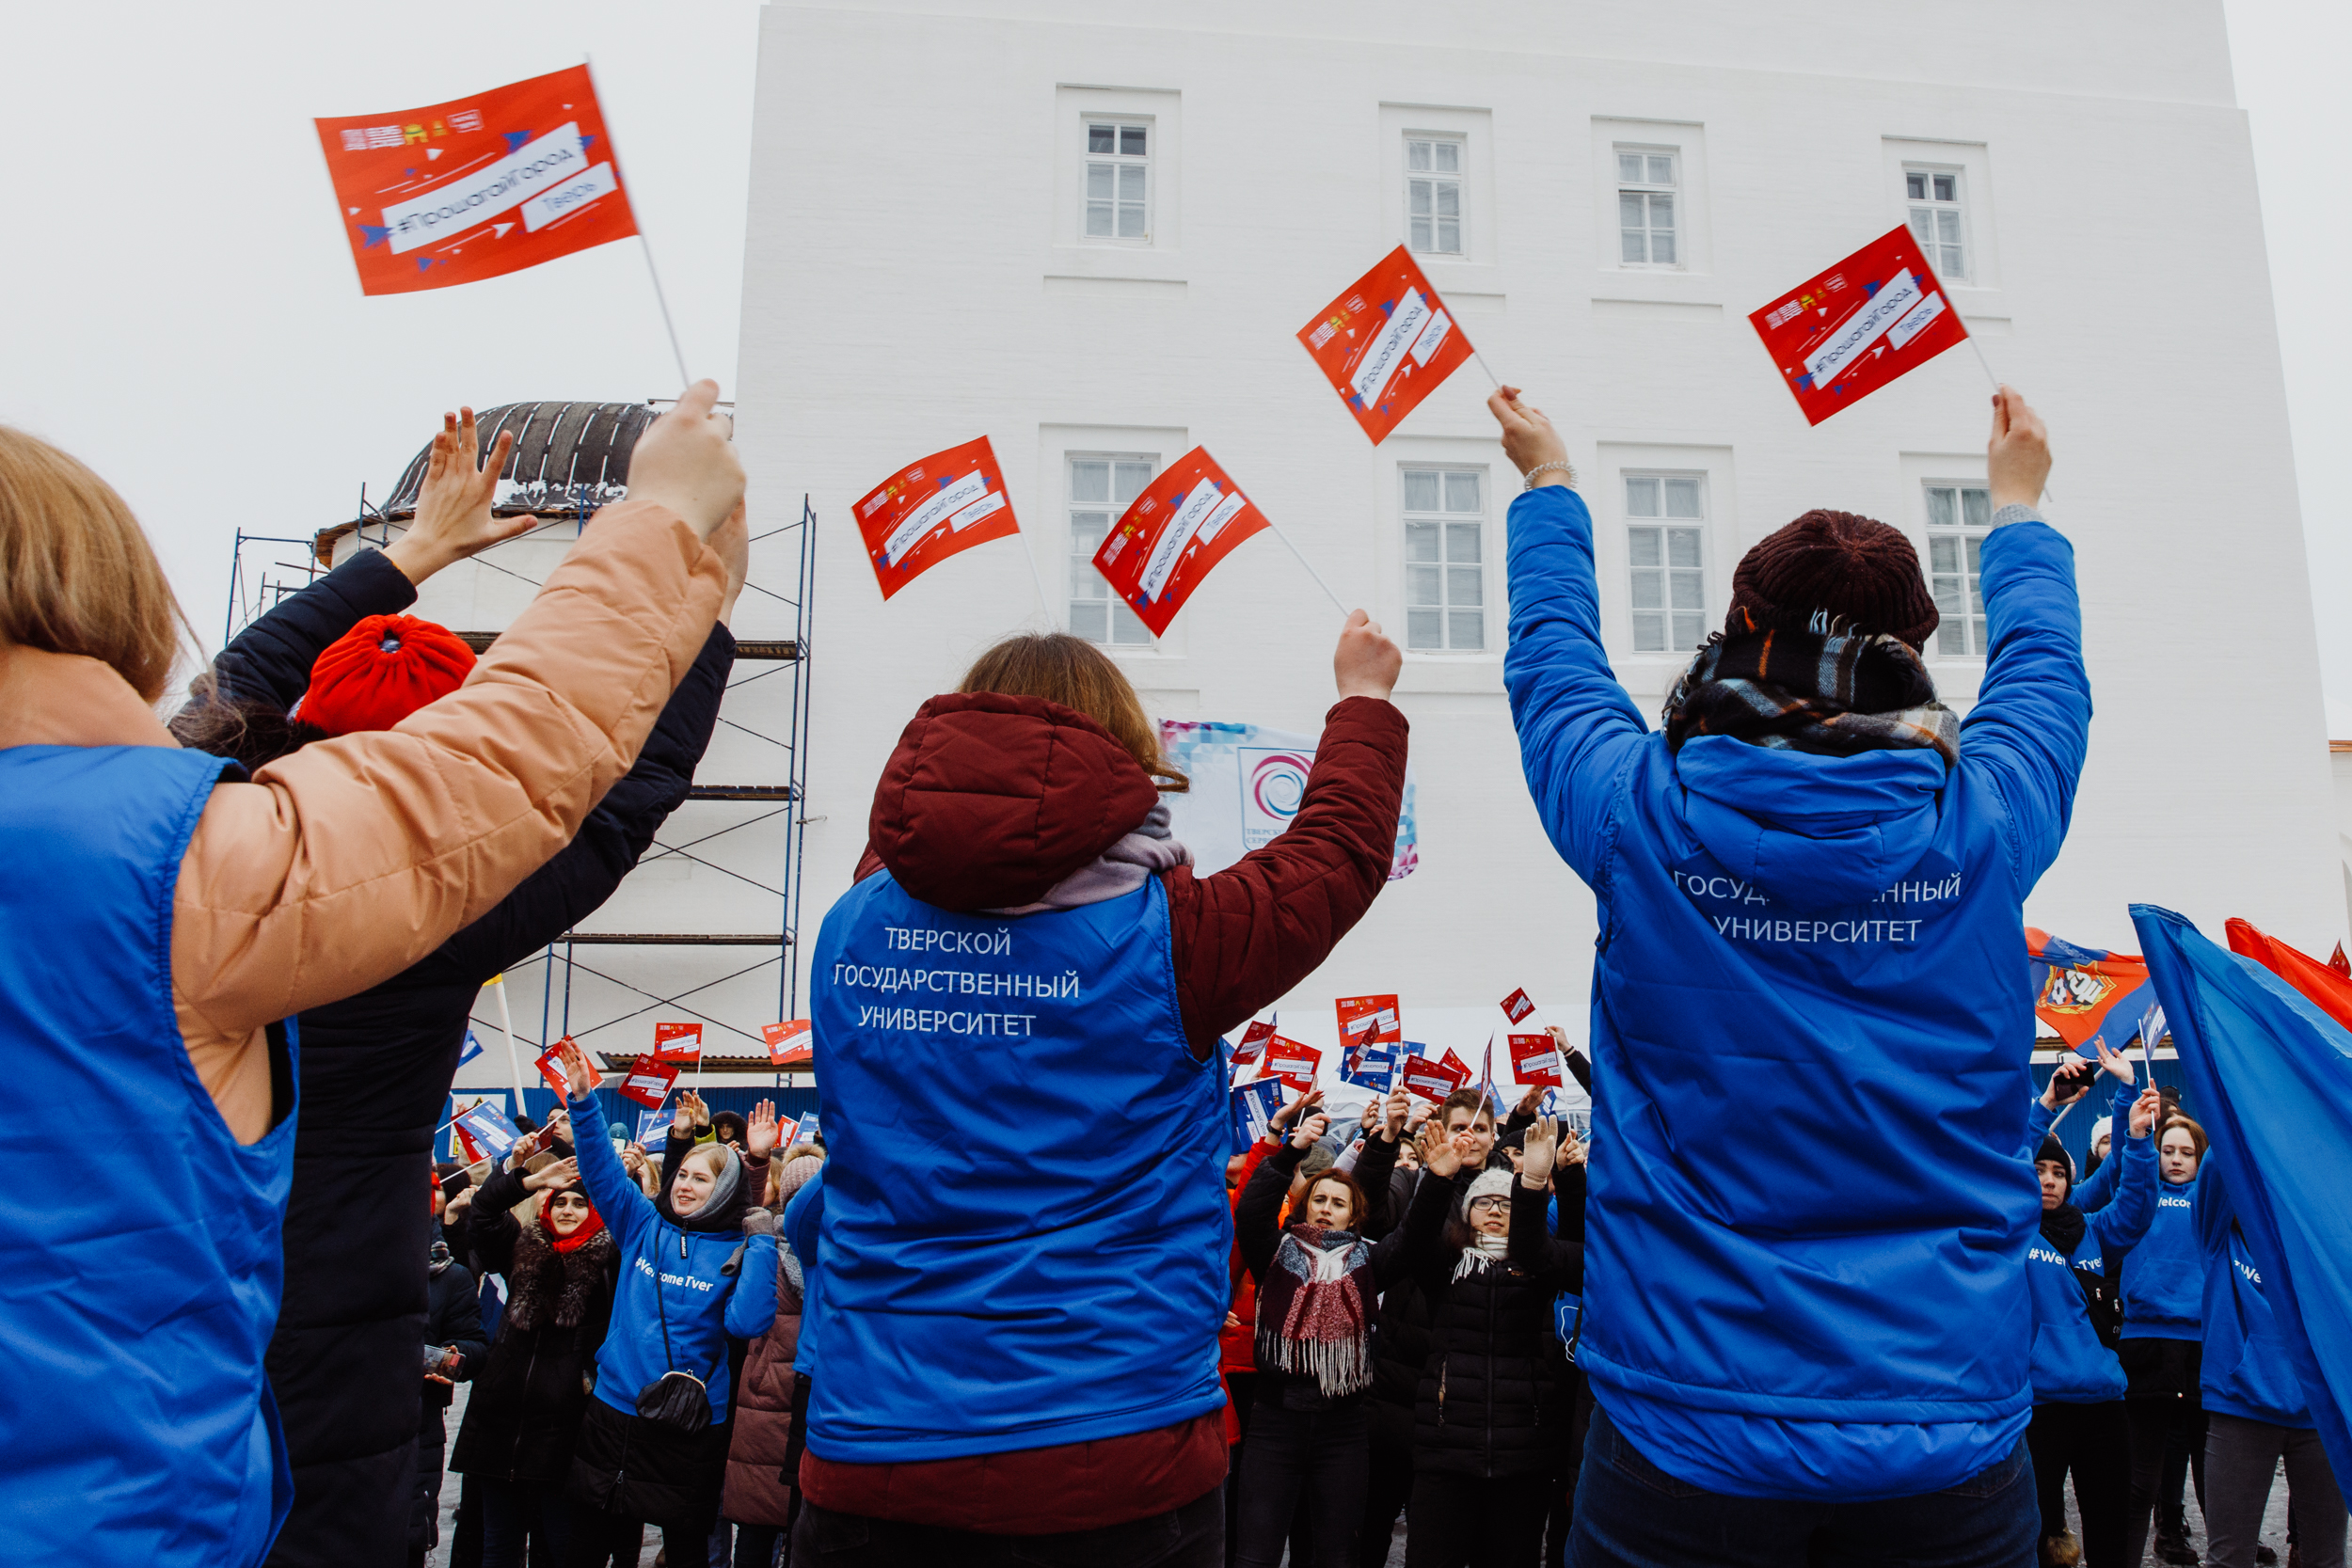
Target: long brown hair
(78,575)
(1077,674)
(1359,1205)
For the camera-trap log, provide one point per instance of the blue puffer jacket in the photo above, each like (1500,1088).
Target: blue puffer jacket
(698,1274)
(1794,948)
(2164,1279)
(2246,1371)
(2070,1364)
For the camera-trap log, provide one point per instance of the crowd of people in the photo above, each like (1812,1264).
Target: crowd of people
(1789,1300)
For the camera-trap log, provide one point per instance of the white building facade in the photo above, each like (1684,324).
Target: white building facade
(1090,232)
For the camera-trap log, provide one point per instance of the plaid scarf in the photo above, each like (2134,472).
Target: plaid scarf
(1827,690)
(1314,1309)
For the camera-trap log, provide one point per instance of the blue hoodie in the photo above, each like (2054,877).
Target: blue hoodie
(2164,1279)
(2070,1364)
(698,1272)
(2245,1367)
(1794,948)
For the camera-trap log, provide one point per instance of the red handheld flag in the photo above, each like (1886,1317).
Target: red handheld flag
(789,1043)
(1518,1007)
(1535,1060)
(1187,520)
(648,1082)
(1293,1063)
(1386,343)
(1369,1020)
(1433,1080)
(1841,336)
(1252,1043)
(550,1065)
(928,510)
(477,186)
(677,1042)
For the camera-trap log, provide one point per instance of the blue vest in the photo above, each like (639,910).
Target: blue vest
(1025,1233)
(139,1262)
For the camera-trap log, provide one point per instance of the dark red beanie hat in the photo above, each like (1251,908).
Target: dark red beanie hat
(1856,569)
(381,671)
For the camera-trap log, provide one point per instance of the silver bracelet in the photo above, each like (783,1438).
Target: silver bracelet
(1528,481)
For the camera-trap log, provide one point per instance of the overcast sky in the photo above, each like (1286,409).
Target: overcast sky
(180,309)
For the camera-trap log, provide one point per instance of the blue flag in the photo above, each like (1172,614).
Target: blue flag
(649,1124)
(806,1131)
(486,1128)
(1371,1066)
(2271,1077)
(1254,1105)
(473,1049)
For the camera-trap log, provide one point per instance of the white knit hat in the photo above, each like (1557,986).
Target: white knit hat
(1493,1183)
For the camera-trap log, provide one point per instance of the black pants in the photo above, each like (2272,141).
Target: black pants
(1318,1454)
(2153,1423)
(2090,1441)
(756,1545)
(1241,1389)
(2244,1458)
(1388,1479)
(1476,1521)
(424,1512)
(1192,1536)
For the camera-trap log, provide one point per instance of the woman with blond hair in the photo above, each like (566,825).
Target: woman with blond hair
(1016,1333)
(160,919)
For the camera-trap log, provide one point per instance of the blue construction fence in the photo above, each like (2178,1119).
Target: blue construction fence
(791,1104)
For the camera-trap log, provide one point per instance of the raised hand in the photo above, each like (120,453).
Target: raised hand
(1528,440)
(734,544)
(1310,1128)
(563,1173)
(575,1070)
(1398,1107)
(1439,1155)
(686,461)
(1531,1102)
(1542,1144)
(2147,1110)
(1572,1148)
(2069,1083)
(2115,1062)
(453,518)
(2017,459)
(760,1130)
(456,1210)
(1366,662)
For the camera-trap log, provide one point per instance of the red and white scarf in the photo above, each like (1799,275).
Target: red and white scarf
(1315,1309)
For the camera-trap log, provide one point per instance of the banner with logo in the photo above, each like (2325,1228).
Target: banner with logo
(550,1065)
(1253,1041)
(651,1125)
(1370,1066)
(1166,544)
(1843,334)
(648,1081)
(939,506)
(790,1044)
(1433,1080)
(1516,1007)
(1254,1105)
(806,1129)
(1293,1063)
(1536,1059)
(2086,995)
(478,186)
(1369,1020)
(485,1133)
(677,1042)
(1387,343)
(1248,782)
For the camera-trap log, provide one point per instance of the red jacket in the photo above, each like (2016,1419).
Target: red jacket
(988,802)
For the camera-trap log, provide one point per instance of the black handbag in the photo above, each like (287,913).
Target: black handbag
(676,1400)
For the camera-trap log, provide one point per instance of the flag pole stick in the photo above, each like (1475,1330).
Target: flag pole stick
(613,151)
(1989,374)
(1310,565)
(506,1023)
(1482,365)
(452,1121)
(2062,1109)
(1036,574)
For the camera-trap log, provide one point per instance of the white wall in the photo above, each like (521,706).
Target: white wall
(914,278)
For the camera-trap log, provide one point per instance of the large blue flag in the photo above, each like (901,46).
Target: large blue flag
(2270,1076)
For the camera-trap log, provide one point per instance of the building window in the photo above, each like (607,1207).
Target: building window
(1445,566)
(1667,563)
(1433,195)
(1101,490)
(1118,180)
(1959,517)
(1933,196)
(1645,208)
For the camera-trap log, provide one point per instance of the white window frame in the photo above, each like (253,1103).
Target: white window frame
(1647,189)
(1123,629)
(1936,209)
(1695,620)
(1439,181)
(1451,574)
(1120,164)
(1954,579)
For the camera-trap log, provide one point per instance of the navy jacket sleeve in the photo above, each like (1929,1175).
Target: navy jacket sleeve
(1577,729)
(584,873)
(270,661)
(1374,1167)
(1257,1216)
(2030,727)
(1553,1264)
(457,1320)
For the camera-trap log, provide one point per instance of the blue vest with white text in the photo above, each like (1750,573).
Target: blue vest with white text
(139,1260)
(1024,1232)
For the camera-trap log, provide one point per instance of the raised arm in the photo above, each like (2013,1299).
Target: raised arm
(2030,727)
(1257,1216)
(1534,1249)
(1249,934)
(2122,1223)
(628,1213)
(270,661)
(1378,1164)
(347,862)
(2098,1190)
(1577,727)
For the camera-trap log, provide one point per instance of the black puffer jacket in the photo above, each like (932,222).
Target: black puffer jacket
(1495,1392)
(452,1320)
(375,1069)
(528,1397)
